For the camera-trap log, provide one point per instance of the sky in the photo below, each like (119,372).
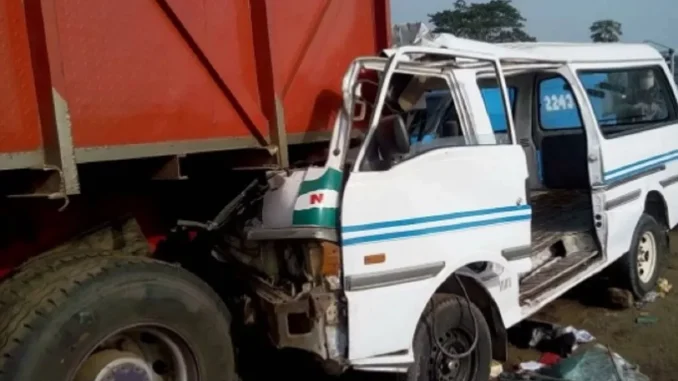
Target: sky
(569,20)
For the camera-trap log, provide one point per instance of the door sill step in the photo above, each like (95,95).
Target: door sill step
(554,273)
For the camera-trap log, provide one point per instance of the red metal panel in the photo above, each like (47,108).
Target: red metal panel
(312,44)
(138,71)
(131,78)
(19,127)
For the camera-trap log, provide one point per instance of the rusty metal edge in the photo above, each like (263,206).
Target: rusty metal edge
(22,160)
(138,151)
(35,159)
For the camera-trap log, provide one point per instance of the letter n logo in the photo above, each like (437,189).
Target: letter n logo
(317,198)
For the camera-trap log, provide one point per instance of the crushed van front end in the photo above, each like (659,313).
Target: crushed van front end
(291,263)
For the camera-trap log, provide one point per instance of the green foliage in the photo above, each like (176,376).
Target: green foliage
(494,21)
(606,31)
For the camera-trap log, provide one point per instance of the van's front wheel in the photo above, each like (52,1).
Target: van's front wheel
(449,326)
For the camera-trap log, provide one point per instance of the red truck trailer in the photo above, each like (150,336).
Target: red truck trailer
(118,118)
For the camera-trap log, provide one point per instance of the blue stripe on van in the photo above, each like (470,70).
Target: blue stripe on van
(435,229)
(663,159)
(433,218)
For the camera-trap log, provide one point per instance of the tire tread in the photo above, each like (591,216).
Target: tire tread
(32,294)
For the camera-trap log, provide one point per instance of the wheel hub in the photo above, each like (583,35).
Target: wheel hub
(453,365)
(450,369)
(139,354)
(647,256)
(113,365)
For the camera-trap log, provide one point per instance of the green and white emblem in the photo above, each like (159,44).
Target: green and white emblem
(318,199)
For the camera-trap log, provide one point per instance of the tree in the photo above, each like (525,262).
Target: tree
(494,21)
(606,31)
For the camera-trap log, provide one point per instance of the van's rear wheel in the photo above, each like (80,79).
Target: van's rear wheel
(117,318)
(448,323)
(642,265)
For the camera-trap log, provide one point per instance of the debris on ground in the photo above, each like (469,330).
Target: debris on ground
(620,298)
(562,360)
(645,318)
(664,286)
(549,338)
(496,369)
(595,364)
(650,297)
(581,335)
(531,366)
(549,359)
(546,360)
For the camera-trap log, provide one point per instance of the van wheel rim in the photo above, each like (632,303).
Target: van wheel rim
(444,368)
(139,354)
(647,257)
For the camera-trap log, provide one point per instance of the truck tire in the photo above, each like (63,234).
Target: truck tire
(15,286)
(45,264)
(641,266)
(107,317)
(455,330)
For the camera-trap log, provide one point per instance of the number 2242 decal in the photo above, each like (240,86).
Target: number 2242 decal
(558,102)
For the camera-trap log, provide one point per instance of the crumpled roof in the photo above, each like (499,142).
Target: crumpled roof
(420,35)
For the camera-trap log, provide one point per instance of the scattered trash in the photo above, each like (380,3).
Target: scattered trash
(549,338)
(549,359)
(650,297)
(620,298)
(560,360)
(496,369)
(531,365)
(664,286)
(581,335)
(646,319)
(552,341)
(596,364)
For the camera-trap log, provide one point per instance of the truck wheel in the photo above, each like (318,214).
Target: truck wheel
(642,264)
(41,266)
(117,318)
(454,331)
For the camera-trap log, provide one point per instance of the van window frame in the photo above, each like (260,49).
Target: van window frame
(536,103)
(672,104)
(512,102)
